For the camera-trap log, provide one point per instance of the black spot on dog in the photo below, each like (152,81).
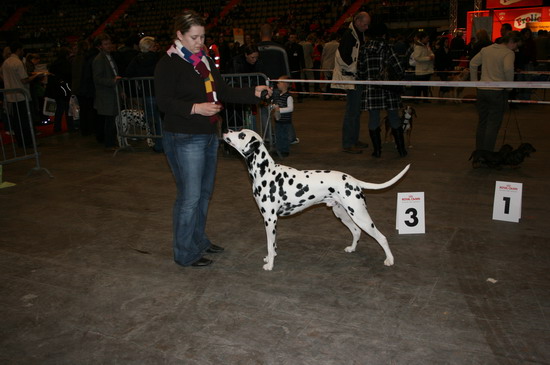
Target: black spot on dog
(291,181)
(264,183)
(351,210)
(344,177)
(348,193)
(311,197)
(372,225)
(331,190)
(262,210)
(302,190)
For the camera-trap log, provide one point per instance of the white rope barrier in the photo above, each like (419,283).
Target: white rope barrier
(479,84)
(437,71)
(458,100)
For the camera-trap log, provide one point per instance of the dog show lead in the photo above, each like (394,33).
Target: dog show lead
(189,91)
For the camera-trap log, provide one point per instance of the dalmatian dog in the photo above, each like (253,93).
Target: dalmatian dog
(282,191)
(132,122)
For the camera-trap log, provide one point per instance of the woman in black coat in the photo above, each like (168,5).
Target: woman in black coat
(189,91)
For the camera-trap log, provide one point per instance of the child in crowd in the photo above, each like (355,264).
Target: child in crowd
(283,108)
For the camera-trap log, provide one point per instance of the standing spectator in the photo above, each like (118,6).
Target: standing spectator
(316,56)
(86,93)
(58,88)
(296,61)
(143,65)
(482,41)
(126,53)
(458,46)
(246,62)
(77,64)
(225,54)
(497,64)
(443,62)
(273,62)
(542,43)
(189,90)
(307,46)
(106,75)
(15,77)
(424,62)
(284,106)
(526,59)
(345,69)
(327,59)
(273,57)
(213,49)
(36,87)
(374,56)
(505,28)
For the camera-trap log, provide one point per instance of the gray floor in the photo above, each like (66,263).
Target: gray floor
(87,277)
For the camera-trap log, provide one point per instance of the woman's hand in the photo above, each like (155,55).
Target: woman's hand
(260,88)
(206,109)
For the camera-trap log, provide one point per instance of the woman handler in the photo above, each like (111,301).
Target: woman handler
(189,92)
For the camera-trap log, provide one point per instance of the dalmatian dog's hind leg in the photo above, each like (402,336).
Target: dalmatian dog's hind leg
(271,233)
(341,214)
(362,218)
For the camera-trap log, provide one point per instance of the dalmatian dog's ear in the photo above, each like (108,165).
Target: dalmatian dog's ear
(252,146)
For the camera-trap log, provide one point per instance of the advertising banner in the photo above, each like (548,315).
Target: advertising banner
(497,4)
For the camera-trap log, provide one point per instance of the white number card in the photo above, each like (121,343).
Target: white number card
(410,213)
(507,204)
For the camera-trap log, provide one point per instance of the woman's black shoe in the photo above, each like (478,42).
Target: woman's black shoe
(214,249)
(203,261)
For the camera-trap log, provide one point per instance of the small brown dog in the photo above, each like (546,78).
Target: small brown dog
(407,116)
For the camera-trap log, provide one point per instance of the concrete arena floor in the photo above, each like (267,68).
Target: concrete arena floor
(87,277)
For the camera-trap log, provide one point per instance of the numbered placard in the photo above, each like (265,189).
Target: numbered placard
(507,204)
(410,213)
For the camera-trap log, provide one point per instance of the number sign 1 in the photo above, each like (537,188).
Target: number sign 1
(507,204)
(410,213)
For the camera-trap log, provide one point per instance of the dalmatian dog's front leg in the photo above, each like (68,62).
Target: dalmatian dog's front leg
(271,233)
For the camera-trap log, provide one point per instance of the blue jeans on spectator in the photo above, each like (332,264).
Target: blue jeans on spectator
(352,118)
(282,134)
(193,159)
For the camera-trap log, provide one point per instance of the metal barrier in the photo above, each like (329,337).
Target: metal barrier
(138,116)
(18,141)
(239,116)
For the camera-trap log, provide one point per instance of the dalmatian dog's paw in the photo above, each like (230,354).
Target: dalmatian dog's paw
(349,249)
(388,261)
(268,266)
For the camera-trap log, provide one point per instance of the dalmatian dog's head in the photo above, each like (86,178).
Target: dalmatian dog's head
(246,141)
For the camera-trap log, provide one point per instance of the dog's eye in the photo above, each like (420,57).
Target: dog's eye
(242,135)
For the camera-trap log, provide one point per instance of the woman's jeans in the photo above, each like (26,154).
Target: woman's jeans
(193,159)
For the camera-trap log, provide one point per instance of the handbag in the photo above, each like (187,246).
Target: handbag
(50,106)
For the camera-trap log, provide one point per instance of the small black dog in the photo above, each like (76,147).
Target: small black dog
(517,156)
(506,156)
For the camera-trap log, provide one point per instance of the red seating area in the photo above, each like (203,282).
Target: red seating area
(61,21)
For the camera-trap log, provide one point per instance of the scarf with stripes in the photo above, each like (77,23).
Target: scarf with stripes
(200,63)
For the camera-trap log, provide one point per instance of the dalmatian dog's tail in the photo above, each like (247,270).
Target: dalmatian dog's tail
(372,186)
